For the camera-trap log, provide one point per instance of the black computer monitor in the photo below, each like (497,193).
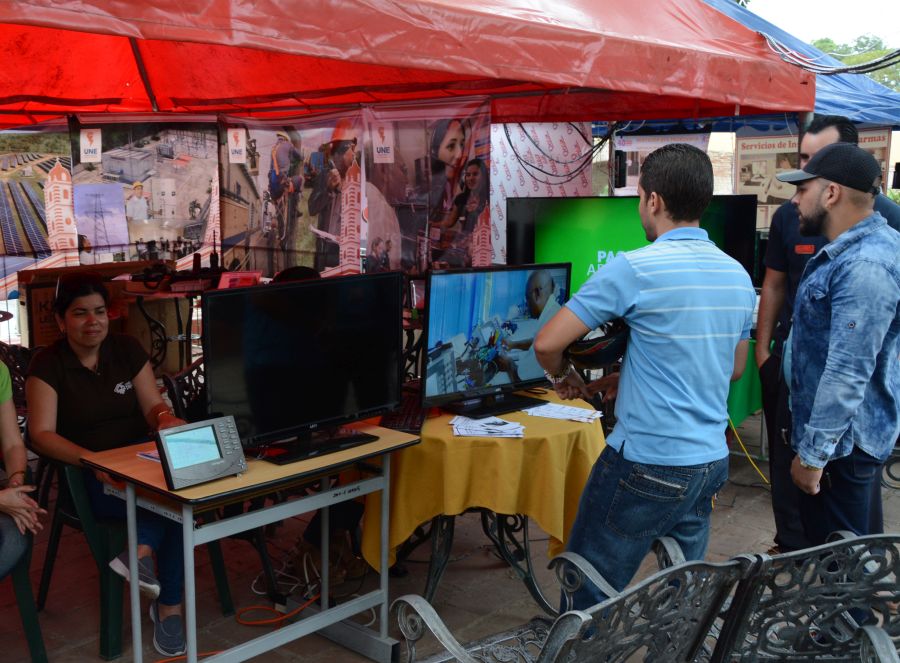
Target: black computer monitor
(291,359)
(589,231)
(480,324)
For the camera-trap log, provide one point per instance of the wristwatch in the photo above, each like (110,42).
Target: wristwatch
(807,466)
(559,378)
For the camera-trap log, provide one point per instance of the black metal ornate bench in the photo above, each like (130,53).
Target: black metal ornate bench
(834,602)
(811,605)
(668,616)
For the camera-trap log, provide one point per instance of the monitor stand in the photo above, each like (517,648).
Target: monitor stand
(313,444)
(488,406)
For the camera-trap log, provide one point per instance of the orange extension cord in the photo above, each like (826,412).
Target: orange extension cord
(257,622)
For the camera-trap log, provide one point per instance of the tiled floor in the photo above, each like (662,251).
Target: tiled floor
(479,595)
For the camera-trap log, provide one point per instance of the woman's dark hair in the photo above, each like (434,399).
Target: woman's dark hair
(438,131)
(73,285)
(482,180)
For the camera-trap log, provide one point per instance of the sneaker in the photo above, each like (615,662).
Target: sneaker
(147,581)
(168,634)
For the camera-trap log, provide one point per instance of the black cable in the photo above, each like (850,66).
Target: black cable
(808,64)
(550,158)
(570,175)
(565,177)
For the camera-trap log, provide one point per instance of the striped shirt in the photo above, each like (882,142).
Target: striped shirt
(687,304)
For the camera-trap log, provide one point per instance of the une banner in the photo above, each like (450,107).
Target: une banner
(152,193)
(292,194)
(427,187)
(37,221)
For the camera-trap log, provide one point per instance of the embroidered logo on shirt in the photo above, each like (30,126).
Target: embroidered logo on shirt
(123,387)
(805,249)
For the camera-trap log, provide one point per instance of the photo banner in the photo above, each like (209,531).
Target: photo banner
(37,219)
(292,194)
(536,159)
(758,159)
(878,143)
(636,149)
(152,195)
(428,186)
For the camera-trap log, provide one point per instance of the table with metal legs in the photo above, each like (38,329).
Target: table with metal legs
(183,506)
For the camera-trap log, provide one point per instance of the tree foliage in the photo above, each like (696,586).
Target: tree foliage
(864,49)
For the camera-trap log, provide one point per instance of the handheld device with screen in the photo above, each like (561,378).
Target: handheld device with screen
(200,452)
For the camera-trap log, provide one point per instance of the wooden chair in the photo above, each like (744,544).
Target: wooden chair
(187,394)
(666,617)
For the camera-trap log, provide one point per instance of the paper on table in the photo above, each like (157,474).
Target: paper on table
(487,427)
(149,455)
(557,411)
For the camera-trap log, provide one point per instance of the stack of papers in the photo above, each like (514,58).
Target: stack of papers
(487,427)
(556,411)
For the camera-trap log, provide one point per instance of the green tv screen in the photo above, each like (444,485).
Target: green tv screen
(588,232)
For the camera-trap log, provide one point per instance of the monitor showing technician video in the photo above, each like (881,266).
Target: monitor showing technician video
(481,328)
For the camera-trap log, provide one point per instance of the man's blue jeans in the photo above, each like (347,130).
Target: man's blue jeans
(847,499)
(626,505)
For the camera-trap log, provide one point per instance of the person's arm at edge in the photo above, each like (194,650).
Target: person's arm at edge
(549,345)
(740,359)
(15,457)
(156,411)
(14,500)
(770,302)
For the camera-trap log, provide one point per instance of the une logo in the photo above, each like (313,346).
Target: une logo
(383,150)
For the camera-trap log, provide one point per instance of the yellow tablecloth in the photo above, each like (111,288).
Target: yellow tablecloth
(541,476)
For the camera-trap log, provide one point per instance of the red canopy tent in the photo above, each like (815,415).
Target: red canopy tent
(539,60)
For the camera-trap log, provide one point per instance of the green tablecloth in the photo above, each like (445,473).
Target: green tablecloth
(745,395)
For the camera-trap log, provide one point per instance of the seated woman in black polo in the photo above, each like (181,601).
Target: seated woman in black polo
(92,391)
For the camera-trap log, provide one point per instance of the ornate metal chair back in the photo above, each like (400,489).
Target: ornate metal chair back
(835,602)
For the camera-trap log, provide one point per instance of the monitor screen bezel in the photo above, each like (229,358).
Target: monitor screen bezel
(525,242)
(229,462)
(442,400)
(306,428)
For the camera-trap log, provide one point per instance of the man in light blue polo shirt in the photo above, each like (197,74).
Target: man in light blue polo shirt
(689,308)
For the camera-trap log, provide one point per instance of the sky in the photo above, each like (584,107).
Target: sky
(815,19)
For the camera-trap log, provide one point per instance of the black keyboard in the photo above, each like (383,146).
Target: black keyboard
(409,417)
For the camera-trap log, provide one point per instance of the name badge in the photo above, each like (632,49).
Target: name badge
(804,249)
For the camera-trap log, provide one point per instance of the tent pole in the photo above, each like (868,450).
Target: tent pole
(139,61)
(611,160)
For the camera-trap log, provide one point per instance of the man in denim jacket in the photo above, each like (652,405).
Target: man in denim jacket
(845,373)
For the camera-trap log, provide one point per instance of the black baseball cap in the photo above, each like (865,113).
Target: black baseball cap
(842,163)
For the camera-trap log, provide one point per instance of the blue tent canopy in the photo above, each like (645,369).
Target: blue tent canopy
(853,95)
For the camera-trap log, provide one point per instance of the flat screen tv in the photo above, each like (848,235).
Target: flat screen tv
(292,359)
(480,327)
(589,231)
